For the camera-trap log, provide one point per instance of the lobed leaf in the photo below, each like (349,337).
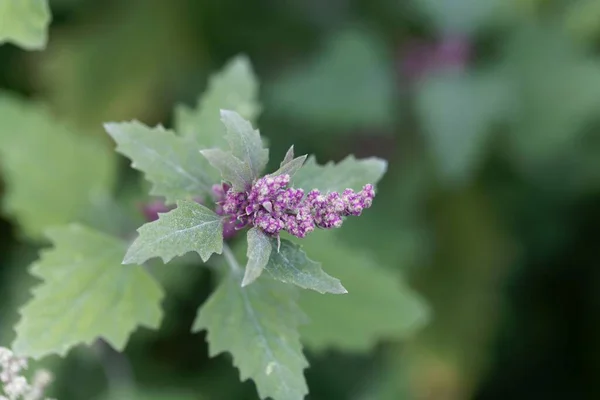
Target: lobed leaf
(258,325)
(235,88)
(348,173)
(71,171)
(86,294)
(171,163)
(189,227)
(245,142)
(25,23)
(378,306)
(233,170)
(259,250)
(289,264)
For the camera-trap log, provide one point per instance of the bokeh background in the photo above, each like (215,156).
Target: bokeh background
(488,112)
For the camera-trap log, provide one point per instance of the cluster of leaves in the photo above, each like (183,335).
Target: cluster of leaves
(69,202)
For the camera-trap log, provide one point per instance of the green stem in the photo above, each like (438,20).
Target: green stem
(231,260)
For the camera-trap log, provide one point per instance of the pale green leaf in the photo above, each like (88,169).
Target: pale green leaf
(258,325)
(86,294)
(233,170)
(290,167)
(245,142)
(25,23)
(259,250)
(348,173)
(349,84)
(173,164)
(378,306)
(235,88)
(189,227)
(289,156)
(289,264)
(52,174)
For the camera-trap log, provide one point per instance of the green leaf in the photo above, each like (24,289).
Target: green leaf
(245,142)
(173,164)
(289,156)
(466,16)
(52,174)
(86,294)
(457,112)
(189,227)
(234,88)
(290,165)
(348,173)
(259,250)
(349,84)
(258,325)
(545,66)
(233,170)
(25,23)
(289,264)
(378,305)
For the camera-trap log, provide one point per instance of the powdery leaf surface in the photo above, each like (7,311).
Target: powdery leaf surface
(258,325)
(171,163)
(259,251)
(189,227)
(233,170)
(348,173)
(245,142)
(235,88)
(86,294)
(290,264)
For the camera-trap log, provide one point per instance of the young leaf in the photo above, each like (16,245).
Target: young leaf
(290,167)
(70,170)
(348,173)
(189,227)
(378,304)
(290,264)
(233,170)
(171,163)
(234,88)
(259,250)
(25,23)
(245,142)
(85,290)
(289,156)
(258,325)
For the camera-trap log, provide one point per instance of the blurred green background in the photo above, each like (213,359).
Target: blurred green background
(488,112)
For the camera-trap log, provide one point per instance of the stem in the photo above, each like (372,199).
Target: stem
(230,258)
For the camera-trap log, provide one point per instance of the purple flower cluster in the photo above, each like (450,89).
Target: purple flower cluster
(271,206)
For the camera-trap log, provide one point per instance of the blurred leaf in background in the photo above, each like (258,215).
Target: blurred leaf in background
(348,84)
(25,23)
(81,169)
